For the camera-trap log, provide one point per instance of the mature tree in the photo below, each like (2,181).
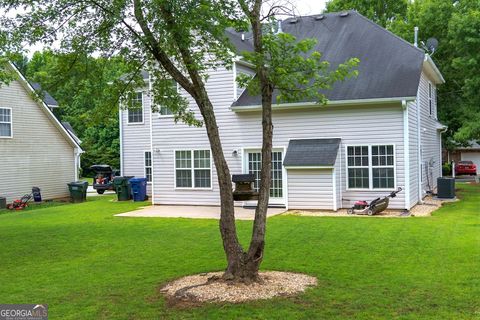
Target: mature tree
(382,12)
(183,40)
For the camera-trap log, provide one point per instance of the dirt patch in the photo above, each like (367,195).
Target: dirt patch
(209,287)
(420,210)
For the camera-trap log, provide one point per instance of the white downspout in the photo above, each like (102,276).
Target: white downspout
(151,138)
(406,152)
(419,152)
(120,123)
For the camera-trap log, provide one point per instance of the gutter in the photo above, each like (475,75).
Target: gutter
(302,105)
(433,67)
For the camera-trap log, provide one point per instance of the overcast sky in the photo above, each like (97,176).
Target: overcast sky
(302,7)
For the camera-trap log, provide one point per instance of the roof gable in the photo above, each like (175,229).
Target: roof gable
(43,107)
(389,66)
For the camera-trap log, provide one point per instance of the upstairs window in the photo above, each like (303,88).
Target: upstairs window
(371,167)
(148,165)
(5,123)
(135,109)
(164,111)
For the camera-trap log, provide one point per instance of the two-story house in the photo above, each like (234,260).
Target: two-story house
(377,132)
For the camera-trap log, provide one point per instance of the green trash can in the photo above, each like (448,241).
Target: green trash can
(122,188)
(78,191)
(85,188)
(3,203)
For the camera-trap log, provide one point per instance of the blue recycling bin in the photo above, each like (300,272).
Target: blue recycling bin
(139,188)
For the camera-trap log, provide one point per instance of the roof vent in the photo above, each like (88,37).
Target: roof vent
(320,17)
(344,14)
(293,21)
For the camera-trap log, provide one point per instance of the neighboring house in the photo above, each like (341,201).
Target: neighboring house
(35,149)
(378,132)
(470,152)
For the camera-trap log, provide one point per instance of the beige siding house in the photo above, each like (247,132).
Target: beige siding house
(35,149)
(383,123)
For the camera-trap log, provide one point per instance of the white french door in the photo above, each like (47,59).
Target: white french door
(253,165)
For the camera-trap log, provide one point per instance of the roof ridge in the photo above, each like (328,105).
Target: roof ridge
(386,30)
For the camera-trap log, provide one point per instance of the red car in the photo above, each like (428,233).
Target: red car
(465,168)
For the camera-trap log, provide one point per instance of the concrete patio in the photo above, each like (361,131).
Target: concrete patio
(194,212)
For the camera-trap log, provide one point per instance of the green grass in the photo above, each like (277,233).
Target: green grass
(87,264)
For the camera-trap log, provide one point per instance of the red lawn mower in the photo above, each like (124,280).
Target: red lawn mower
(376,206)
(21,203)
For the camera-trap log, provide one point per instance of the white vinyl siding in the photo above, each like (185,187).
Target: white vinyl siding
(240,69)
(135,110)
(193,169)
(38,154)
(6,123)
(310,189)
(431,167)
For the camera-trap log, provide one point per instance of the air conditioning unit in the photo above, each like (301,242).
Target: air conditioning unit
(446,188)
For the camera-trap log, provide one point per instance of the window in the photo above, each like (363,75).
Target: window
(371,167)
(5,123)
(357,161)
(164,111)
(254,162)
(148,165)
(193,169)
(430,102)
(383,169)
(135,110)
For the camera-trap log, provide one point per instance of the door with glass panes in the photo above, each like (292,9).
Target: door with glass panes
(253,165)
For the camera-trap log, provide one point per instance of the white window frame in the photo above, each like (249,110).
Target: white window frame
(245,150)
(142,109)
(370,167)
(10,123)
(430,99)
(145,167)
(160,115)
(192,169)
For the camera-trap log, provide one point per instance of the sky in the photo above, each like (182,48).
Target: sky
(302,8)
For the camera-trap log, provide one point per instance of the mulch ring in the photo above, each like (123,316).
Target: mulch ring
(210,287)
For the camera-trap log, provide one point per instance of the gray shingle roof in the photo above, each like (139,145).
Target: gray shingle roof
(70,131)
(46,97)
(389,66)
(311,152)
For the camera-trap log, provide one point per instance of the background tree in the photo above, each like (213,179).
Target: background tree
(383,12)
(180,40)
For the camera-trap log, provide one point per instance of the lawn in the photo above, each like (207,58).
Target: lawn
(87,264)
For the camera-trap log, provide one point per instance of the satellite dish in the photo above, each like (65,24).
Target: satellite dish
(432,44)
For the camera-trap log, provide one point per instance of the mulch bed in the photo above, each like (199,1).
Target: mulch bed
(209,287)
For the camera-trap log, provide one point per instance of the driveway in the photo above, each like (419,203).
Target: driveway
(195,212)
